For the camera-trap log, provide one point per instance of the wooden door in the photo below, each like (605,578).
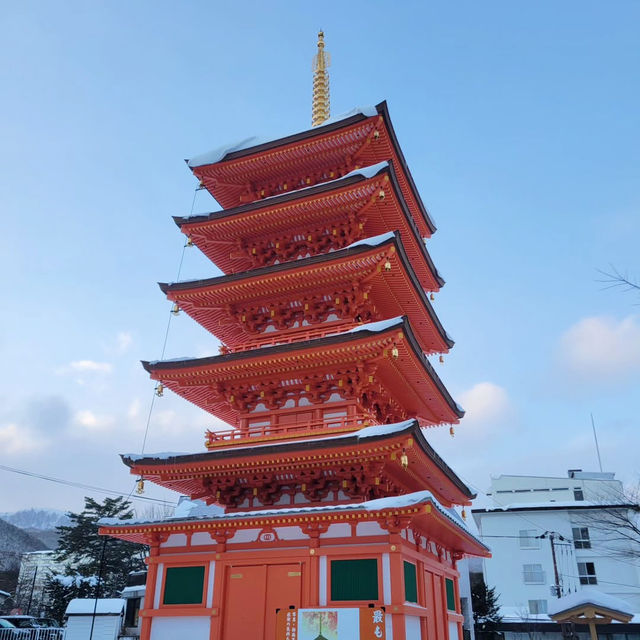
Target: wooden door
(244,602)
(438,607)
(253,594)
(284,589)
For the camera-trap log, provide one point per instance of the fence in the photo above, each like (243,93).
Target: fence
(32,634)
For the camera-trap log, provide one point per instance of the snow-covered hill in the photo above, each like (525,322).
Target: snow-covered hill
(39,519)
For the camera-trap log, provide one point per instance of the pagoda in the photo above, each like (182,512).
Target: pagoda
(324,492)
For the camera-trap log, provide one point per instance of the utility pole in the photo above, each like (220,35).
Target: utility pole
(95,604)
(553,536)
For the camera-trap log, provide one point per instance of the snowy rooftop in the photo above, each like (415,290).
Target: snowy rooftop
(392,502)
(218,154)
(365,432)
(590,597)
(104,606)
(547,504)
(375,327)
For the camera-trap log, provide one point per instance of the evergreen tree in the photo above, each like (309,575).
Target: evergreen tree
(89,556)
(486,610)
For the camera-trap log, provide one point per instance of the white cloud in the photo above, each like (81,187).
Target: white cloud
(601,348)
(124,340)
(485,403)
(134,409)
(85,366)
(15,439)
(91,421)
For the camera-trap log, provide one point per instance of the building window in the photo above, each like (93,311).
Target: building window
(528,539)
(533,574)
(451,594)
(581,538)
(183,585)
(410,582)
(354,579)
(578,494)
(587,573)
(537,606)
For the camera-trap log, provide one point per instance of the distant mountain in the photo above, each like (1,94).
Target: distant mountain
(40,519)
(13,543)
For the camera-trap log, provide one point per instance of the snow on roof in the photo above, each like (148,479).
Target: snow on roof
(216,155)
(371,326)
(560,504)
(590,597)
(376,327)
(365,432)
(374,240)
(379,504)
(135,589)
(104,606)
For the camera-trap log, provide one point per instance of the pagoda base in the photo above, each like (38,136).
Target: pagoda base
(226,576)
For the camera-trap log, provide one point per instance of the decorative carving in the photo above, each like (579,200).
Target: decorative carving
(348,303)
(357,383)
(267,250)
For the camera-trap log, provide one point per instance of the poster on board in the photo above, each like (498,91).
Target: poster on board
(362,623)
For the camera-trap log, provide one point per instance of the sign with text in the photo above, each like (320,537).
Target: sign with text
(363,623)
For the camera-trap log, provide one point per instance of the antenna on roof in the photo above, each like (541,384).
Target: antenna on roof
(595,437)
(320,108)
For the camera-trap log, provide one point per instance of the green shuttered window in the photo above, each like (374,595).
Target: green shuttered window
(354,579)
(410,582)
(183,585)
(451,595)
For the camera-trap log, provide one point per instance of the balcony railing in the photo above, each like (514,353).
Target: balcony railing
(265,432)
(280,337)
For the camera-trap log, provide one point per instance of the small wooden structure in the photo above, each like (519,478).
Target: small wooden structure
(590,608)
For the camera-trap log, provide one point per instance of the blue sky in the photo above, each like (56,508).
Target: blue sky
(519,122)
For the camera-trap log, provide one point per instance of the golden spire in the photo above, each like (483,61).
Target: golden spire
(320,109)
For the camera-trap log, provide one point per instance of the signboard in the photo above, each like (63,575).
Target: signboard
(363,623)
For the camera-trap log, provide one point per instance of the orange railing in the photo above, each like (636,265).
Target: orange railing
(261,433)
(277,337)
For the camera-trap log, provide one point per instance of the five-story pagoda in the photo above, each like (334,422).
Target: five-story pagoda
(330,497)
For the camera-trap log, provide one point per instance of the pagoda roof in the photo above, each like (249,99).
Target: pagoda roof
(421,507)
(183,472)
(410,377)
(361,138)
(208,301)
(221,234)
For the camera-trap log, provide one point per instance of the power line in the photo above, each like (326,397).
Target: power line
(80,485)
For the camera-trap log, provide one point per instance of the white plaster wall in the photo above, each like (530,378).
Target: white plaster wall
(388,627)
(322,580)
(201,538)
(175,540)
(412,627)
(290,533)
(171,628)
(453,631)
(159,583)
(210,583)
(337,530)
(386,579)
(244,535)
(369,529)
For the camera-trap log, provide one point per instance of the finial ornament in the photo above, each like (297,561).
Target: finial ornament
(320,109)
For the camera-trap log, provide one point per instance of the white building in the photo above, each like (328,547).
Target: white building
(537,518)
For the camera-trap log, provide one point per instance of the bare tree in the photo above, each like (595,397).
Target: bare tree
(617,279)
(617,519)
